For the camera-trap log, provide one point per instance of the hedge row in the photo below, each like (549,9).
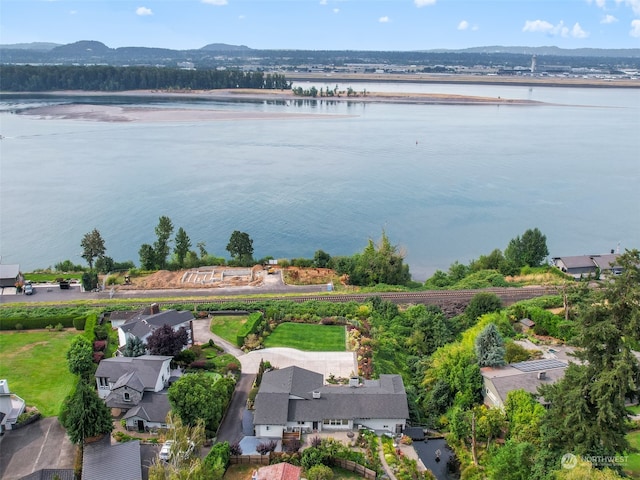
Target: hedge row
(253,323)
(279,308)
(9,323)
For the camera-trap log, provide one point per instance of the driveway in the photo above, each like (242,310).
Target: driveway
(43,444)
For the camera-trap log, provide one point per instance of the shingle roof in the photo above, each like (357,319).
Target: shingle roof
(383,398)
(130,380)
(142,323)
(580,261)
(147,368)
(51,474)
(105,462)
(606,262)
(9,271)
(153,407)
(280,471)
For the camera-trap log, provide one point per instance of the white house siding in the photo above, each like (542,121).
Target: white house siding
(132,424)
(388,424)
(164,376)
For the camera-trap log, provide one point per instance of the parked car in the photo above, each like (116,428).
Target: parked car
(165,451)
(65,285)
(28,289)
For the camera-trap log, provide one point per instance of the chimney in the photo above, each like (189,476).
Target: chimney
(316,394)
(155,308)
(4,386)
(354,382)
(542,375)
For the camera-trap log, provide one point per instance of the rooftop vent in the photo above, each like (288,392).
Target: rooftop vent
(542,375)
(316,394)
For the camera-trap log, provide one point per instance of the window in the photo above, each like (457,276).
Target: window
(103,381)
(127,397)
(335,422)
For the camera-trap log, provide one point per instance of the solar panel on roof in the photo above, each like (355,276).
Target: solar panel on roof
(535,365)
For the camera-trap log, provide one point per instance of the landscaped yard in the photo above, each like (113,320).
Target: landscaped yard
(35,365)
(227,327)
(311,338)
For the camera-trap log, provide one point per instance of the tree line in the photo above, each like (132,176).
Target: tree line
(30,78)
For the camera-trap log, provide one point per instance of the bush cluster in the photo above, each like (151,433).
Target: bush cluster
(255,321)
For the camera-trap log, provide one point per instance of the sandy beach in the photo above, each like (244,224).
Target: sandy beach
(111,113)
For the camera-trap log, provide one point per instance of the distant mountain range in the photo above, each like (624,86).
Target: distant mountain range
(214,55)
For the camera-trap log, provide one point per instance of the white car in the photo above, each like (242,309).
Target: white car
(165,451)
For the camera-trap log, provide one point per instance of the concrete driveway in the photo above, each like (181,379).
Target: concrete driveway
(43,444)
(340,364)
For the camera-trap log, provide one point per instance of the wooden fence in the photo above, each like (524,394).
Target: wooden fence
(249,460)
(356,468)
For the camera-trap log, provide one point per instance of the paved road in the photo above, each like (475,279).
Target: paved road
(43,444)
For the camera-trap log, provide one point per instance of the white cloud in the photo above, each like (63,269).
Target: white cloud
(73,12)
(424,3)
(578,32)
(384,19)
(323,2)
(241,17)
(336,10)
(635,28)
(217,3)
(143,11)
(599,3)
(608,19)
(463,25)
(538,26)
(633,4)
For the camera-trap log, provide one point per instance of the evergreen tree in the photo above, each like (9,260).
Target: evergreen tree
(85,414)
(489,347)
(92,246)
(183,244)
(161,245)
(80,356)
(134,347)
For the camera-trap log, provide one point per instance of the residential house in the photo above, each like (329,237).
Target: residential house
(136,387)
(103,461)
(142,324)
(51,474)
(528,376)
(11,407)
(295,399)
(583,266)
(10,275)
(278,471)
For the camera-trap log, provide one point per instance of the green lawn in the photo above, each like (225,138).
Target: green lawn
(635,409)
(632,468)
(35,365)
(313,338)
(227,327)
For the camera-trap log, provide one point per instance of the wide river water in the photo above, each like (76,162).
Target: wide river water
(445,182)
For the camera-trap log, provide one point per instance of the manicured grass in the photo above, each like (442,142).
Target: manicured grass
(313,338)
(228,327)
(635,409)
(632,467)
(35,365)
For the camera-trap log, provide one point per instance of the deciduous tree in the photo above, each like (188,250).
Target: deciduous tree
(529,250)
(240,247)
(165,341)
(80,356)
(481,303)
(92,246)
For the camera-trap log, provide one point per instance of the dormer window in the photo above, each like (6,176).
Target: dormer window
(127,397)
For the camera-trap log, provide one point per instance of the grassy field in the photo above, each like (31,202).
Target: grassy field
(632,468)
(311,338)
(227,327)
(35,365)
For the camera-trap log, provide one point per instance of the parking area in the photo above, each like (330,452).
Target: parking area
(43,444)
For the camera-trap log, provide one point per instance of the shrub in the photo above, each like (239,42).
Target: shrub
(98,356)
(320,472)
(264,448)
(292,445)
(253,323)
(59,327)
(19,326)
(79,323)
(232,367)
(99,346)
(101,332)
(235,448)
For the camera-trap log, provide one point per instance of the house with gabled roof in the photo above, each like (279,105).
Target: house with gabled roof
(278,471)
(136,387)
(10,275)
(143,323)
(103,461)
(527,376)
(581,266)
(11,407)
(295,399)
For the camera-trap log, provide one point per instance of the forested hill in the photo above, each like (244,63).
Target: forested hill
(223,55)
(27,78)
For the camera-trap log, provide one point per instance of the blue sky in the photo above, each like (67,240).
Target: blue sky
(325,24)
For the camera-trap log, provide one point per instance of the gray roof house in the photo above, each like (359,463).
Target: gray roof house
(528,376)
(9,275)
(295,399)
(142,324)
(585,265)
(136,386)
(11,407)
(102,461)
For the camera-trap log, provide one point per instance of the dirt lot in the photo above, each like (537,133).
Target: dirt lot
(220,277)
